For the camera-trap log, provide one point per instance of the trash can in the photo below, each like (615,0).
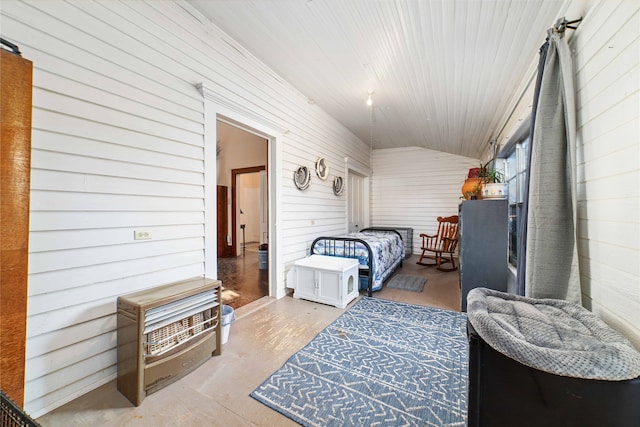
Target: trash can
(228,317)
(263,256)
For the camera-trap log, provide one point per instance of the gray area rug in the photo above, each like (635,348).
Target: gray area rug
(381,363)
(407,282)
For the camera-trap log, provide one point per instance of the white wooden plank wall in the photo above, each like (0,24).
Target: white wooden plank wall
(607,53)
(118,147)
(606,49)
(412,187)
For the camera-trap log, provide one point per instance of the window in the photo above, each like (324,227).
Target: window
(516,174)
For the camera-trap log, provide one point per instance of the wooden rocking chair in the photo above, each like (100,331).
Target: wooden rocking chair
(445,241)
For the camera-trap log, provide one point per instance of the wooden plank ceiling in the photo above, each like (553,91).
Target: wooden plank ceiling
(445,74)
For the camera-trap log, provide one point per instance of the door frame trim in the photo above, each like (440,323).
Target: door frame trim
(355,167)
(234,189)
(218,106)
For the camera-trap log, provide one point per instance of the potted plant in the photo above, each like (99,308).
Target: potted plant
(494,185)
(472,187)
(473,191)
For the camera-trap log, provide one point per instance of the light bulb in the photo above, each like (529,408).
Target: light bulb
(370,100)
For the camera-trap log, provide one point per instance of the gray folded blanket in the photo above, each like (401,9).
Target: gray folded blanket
(552,335)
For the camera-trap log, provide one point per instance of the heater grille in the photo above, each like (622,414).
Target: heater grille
(166,337)
(172,324)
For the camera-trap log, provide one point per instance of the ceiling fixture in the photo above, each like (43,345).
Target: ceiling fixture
(370,99)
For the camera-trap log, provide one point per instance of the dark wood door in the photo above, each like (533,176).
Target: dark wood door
(224,250)
(15,166)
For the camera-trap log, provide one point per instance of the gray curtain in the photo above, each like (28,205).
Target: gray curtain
(551,256)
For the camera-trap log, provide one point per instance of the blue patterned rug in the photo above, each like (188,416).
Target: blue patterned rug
(381,363)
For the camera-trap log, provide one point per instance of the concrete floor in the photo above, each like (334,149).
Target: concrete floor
(265,334)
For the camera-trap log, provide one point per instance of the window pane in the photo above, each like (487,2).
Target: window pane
(513,194)
(523,147)
(513,233)
(522,178)
(516,173)
(512,169)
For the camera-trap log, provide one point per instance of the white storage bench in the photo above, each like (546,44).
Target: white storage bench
(326,279)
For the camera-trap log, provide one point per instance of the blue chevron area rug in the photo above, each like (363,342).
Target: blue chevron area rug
(381,363)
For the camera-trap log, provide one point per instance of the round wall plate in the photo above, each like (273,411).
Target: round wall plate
(322,170)
(338,186)
(301,178)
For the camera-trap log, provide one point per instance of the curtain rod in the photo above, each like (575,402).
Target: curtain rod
(562,24)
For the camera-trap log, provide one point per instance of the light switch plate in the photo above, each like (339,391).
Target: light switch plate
(141,235)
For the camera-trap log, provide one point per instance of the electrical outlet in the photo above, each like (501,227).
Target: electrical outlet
(141,235)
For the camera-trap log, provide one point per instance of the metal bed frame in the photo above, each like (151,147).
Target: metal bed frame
(348,246)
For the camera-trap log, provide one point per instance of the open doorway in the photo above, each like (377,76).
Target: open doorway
(242,159)
(249,207)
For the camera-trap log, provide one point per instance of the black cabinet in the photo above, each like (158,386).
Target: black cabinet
(483,246)
(504,393)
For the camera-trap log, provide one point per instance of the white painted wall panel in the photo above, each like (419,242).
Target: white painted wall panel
(51,121)
(70,355)
(59,181)
(71,239)
(42,344)
(606,49)
(81,257)
(48,220)
(412,187)
(89,111)
(127,274)
(113,167)
(118,146)
(77,376)
(608,92)
(107,202)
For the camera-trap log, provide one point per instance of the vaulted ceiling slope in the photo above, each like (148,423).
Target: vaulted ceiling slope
(445,74)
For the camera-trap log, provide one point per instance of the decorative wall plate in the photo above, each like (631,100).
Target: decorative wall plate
(338,186)
(301,178)
(322,170)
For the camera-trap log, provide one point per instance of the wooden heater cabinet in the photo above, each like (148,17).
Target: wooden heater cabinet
(166,332)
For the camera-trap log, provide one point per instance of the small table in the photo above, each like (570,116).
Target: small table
(325,279)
